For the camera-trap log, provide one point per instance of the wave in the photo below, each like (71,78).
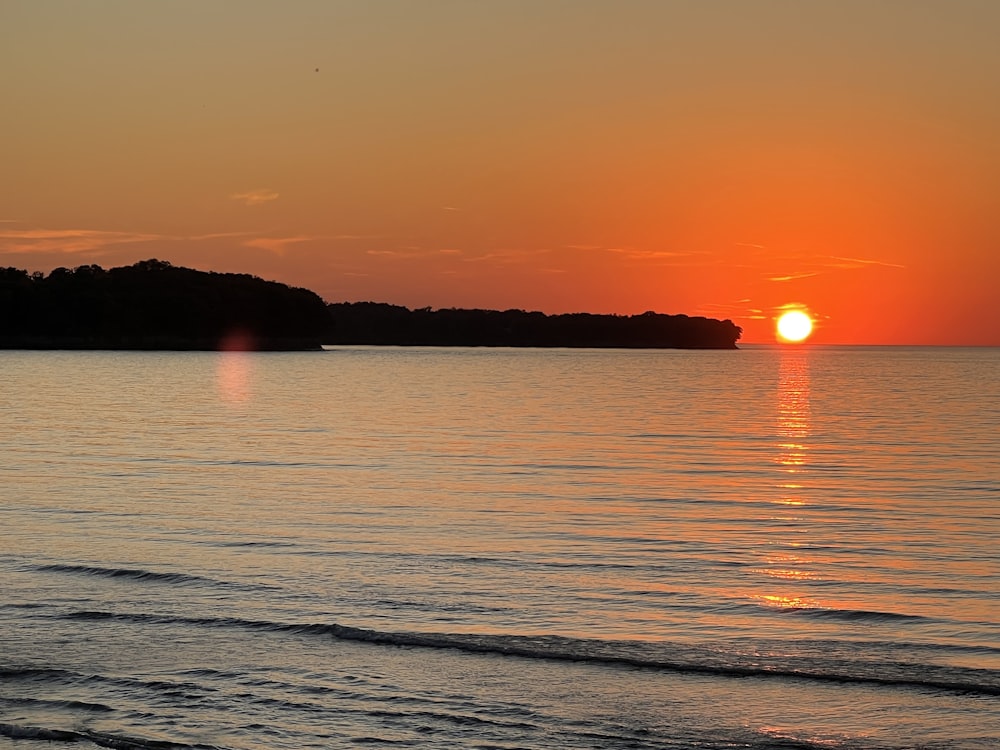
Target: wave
(136,574)
(102,739)
(70,704)
(40,674)
(849,615)
(663,656)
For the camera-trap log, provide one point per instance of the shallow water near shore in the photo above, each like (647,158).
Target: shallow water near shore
(776,547)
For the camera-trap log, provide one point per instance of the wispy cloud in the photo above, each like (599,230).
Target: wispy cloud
(859,263)
(807,267)
(738,310)
(777,310)
(505,256)
(255,197)
(406,253)
(553,256)
(99,242)
(215,236)
(276,245)
(654,257)
(794,276)
(67,241)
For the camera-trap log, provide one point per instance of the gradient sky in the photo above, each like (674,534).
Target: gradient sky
(720,158)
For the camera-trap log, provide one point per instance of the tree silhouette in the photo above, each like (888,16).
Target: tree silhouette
(155,305)
(378,323)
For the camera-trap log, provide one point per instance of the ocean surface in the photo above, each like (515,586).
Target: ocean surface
(793,548)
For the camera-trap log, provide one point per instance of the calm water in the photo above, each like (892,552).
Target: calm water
(768,548)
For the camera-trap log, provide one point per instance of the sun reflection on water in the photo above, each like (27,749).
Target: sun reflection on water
(782,562)
(793,410)
(787,602)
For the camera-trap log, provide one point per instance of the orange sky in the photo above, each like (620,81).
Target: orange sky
(717,158)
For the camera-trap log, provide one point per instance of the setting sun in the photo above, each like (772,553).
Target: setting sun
(794,326)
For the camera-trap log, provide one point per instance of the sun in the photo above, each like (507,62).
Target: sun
(794,326)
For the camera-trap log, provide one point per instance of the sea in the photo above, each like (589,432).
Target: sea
(778,547)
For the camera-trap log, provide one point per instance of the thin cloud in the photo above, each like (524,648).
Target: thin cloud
(407,253)
(648,254)
(827,263)
(215,236)
(639,255)
(505,256)
(794,276)
(67,241)
(860,263)
(779,309)
(740,310)
(658,258)
(276,245)
(255,197)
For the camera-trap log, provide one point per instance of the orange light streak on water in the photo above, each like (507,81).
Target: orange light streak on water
(234,377)
(793,417)
(793,428)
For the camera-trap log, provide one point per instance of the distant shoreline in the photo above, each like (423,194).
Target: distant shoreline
(155,306)
(370,323)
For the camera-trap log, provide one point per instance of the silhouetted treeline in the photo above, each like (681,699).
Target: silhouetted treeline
(379,323)
(155,305)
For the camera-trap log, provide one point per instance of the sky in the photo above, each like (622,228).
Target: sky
(726,158)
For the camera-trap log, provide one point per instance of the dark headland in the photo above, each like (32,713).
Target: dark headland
(153,305)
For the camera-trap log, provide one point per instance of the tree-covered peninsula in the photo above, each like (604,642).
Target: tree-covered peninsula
(155,305)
